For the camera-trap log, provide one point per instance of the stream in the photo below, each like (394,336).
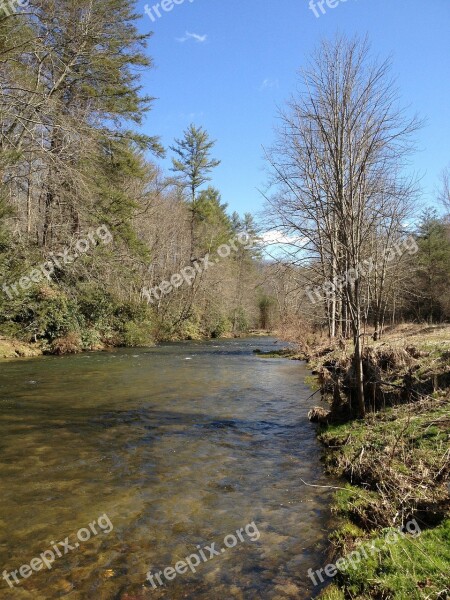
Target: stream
(165,450)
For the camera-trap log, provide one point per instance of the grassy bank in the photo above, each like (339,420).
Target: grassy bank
(395,462)
(10,348)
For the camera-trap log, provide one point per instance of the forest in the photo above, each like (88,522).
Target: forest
(74,159)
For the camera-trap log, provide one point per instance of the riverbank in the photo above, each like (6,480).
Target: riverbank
(11,348)
(69,317)
(396,461)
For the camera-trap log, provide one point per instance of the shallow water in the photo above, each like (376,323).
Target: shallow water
(179,446)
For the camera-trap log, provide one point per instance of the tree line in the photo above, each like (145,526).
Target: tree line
(73,158)
(343,195)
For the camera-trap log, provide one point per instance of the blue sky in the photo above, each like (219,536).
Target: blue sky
(228,65)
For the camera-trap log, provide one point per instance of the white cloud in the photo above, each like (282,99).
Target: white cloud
(192,116)
(268,84)
(193,36)
(270,238)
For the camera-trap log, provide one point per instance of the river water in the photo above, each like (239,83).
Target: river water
(169,450)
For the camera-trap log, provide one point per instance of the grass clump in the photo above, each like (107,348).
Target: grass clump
(398,567)
(399,458)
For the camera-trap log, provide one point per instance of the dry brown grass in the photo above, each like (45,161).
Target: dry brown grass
(10,348)
(68,344)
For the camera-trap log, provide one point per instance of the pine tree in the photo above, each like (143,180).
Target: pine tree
(80,93)
(193,163)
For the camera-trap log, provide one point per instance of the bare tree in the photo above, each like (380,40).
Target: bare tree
(338,165)
(444,192)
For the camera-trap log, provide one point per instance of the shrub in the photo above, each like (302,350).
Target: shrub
(44,313)
(136,334)
(91,339)
(218,325)
(68,344)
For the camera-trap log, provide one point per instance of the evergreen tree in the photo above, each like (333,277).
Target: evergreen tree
(193,163)
(433,273)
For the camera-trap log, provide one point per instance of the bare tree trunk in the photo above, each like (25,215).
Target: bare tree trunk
(338,165)
(359,373)
(46,231)
(29,201)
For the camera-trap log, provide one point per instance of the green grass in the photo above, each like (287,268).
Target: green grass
(333,593)
(412,568)
(397,461)
(406,439)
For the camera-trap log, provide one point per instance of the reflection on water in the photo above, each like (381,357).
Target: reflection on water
(179,445)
